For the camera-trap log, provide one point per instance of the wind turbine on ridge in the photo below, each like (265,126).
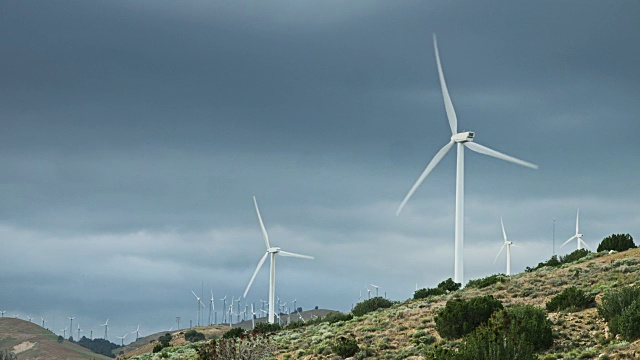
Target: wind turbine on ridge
(508,244)
(461,140)
(106,328)
(271,252)
(577,235)
(198,302)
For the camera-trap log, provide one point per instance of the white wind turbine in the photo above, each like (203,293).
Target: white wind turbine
(64,333)
(137,333)
(212,309)
(71,325)
(462,140)
(198,302)
(376,287)
(106,328)
(122,339)
(224,309)
(508,244)
(577,235)
(271,251)
(2,312)
(43,320)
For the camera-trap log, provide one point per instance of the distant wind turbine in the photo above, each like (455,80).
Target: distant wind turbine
(71,325)
(43,321)
(198,302)
(106,328)
(29,318)
(577,236)
(461,140)
(64,332)
(122,339)
(376,287)
(79,330)
(271,251)
(137,332)
(224,309)
(212,309)
(2,312)
(508,244)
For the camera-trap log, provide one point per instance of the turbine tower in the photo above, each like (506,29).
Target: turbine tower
(106,328)
(212,309)
(461,140)
(376,287)
(122,339)
(271,252)
(43,320)
(2,312)
(508,244)
(71,325)
(198,302)
(577,235)
(224,309)
(137,333)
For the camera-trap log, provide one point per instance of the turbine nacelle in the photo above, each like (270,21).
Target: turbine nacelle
(463,137)
(273,250)
(579,236)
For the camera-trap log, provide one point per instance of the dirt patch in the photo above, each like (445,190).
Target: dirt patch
(23,347)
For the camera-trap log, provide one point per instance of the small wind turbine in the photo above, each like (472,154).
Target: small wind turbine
(375,286)
(253,318)
(64,332)
(122,339)
(508,244)
(212,308)
(231,314)
(29,318)
(224,307)
(462,140)
(43,320)
(2,312)
(78,339)
(106,328)
(271,251)
(577,235)
(368,292)
(198,302)
(71,324)
(137,332)
(16,316)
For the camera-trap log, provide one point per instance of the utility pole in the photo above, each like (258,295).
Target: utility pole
(554,236)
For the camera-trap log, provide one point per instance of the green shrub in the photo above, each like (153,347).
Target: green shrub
(442,288)
(193,336)
(157,348)
(460,317)
(345,346)
(490,342)
(621,310)
(554,261)
(165,339)
(233,333)
(617,242)
(370,305)
(571,299)
(487,281)
(267,328)
(335,316)
(529,321)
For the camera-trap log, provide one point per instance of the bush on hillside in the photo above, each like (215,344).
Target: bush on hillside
(508,334)
(193,336)
(98,346)
(345,347)
(617,242)
(335,316)
(267,328)
(370,305)
(554,261)
(60,339)
(487,281)
(529,321)
(571,299)
(621,310)
(7,355)
(233,333)
(165,339)
(460,317)
(442,288)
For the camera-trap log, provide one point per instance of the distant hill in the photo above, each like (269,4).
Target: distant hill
(31,341)
(145,344)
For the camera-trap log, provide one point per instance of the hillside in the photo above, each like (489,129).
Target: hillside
(391,333)
(31,341)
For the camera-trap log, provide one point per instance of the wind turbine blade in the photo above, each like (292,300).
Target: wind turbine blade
(264,231)
(286,253)
(504,233)
(194,294)
(254,274)
(448,105)
(577,220)
(571,238)
(584,243)
(496,259)
(434,162)
(496,154)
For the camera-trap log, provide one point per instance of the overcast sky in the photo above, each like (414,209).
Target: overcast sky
(134,134)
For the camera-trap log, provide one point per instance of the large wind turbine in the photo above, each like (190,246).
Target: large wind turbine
(271,251)
(106,329)
(461,140)
(577,235)
(198,304)
(508,244)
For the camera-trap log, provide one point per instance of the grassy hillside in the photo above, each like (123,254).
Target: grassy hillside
(396,333)
(31,341)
